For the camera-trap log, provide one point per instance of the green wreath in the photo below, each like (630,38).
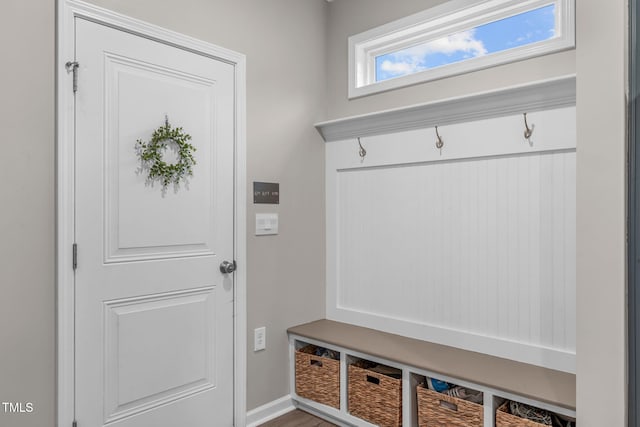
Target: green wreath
(150,154)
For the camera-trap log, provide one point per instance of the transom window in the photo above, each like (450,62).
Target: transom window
(457,37)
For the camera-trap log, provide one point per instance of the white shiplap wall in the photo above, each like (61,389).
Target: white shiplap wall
(474,247)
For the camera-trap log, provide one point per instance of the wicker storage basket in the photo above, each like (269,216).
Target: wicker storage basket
(375,397)
(505,419)
(437,409)
(317,378)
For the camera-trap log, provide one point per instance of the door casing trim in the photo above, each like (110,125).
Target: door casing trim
(67,12)
(633,214)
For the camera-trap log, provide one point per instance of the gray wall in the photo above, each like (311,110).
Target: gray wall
(284,41)
(27,320)
(601,212)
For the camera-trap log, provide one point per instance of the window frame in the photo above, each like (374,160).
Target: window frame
(447,19)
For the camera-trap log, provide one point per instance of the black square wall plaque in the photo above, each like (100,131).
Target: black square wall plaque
(266,192)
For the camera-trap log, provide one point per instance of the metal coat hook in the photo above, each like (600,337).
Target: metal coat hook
(528,130)
(439,141)
(362,152)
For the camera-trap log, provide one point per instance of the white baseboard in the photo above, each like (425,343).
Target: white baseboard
(269,411)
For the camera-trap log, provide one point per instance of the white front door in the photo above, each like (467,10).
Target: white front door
(154,313)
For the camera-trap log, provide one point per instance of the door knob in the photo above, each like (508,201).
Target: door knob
(227,267)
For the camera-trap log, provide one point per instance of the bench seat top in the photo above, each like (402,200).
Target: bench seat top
(530,381)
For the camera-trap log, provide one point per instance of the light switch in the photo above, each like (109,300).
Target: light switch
(266,224)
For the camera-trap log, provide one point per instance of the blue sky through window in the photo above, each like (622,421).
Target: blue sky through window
(526,28)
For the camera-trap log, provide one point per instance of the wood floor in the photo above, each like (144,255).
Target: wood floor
(298,418)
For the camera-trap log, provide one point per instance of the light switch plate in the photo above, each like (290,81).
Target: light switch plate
(259,339)
(266,224)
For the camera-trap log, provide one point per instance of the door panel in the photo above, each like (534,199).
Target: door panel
(154,315)
(183,353)
(138,96)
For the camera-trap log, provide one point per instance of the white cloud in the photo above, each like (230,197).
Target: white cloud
(400,68)
(460,42)
(412,60)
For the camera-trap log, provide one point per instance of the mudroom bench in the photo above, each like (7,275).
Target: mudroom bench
(414,360)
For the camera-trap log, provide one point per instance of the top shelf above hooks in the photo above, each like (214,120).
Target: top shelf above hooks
(542,95)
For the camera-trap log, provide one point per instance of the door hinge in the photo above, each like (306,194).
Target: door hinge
(73,67)
(75,257)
